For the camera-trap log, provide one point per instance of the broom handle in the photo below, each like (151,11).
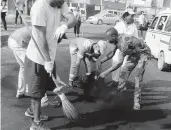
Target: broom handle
(54,80)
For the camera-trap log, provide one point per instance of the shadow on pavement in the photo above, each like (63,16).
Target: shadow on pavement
(105,116)
(156,92)
(116,107)
(167,126)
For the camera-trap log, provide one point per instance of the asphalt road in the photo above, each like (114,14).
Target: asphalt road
(113,114)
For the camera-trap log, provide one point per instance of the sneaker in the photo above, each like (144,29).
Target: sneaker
(19,96)
(29,113)
(39,126)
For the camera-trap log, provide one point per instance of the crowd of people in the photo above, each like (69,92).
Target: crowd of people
(36,67)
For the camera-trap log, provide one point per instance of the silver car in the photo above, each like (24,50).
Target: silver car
(103,18)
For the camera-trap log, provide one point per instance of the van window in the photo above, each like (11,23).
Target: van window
(168,25)
(161,22)
(111,12)
(82,12)
(115,13)
(154,23)
(107,15)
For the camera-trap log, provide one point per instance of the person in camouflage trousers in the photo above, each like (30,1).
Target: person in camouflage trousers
(138,54)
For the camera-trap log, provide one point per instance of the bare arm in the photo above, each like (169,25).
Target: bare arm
(114,67)
(42,42)
(109,55)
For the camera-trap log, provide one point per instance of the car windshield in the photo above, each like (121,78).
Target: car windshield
(168,25)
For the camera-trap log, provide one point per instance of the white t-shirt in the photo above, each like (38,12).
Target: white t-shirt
(123,29)
(77,14)
(5,9)
(21,36)
(83,45)
(129,30)
(20,4)
(141,19)
(42,14)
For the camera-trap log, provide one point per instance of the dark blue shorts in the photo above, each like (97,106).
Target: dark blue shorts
(37,80)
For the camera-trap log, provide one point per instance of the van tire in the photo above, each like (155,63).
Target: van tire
(99,22)
(161,62)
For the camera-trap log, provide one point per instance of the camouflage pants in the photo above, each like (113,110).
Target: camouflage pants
(140,64)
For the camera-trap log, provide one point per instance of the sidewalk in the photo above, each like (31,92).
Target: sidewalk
(96,30)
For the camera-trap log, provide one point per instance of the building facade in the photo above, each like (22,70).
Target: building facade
(28,4)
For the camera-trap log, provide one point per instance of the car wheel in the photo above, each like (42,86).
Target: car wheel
(100,22)
(161,61)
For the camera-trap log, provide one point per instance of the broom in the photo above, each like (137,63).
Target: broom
(69,110)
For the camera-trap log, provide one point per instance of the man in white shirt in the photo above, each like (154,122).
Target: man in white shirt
(18,42)
(20,5)
(4,9)
(47,31)
(126,26)
(141,21)
(77,14)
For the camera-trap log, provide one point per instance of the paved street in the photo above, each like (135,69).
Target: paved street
(113,114)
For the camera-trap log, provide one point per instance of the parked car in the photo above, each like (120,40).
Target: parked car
(158,38)
(103,18)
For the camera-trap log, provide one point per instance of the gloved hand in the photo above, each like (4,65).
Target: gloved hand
(49,67)
(60,31)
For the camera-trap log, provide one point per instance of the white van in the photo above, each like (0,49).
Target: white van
(116,12)
(158,38)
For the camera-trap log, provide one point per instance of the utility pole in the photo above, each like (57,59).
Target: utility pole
(101,4)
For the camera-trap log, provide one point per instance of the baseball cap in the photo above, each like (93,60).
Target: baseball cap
(130,11)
